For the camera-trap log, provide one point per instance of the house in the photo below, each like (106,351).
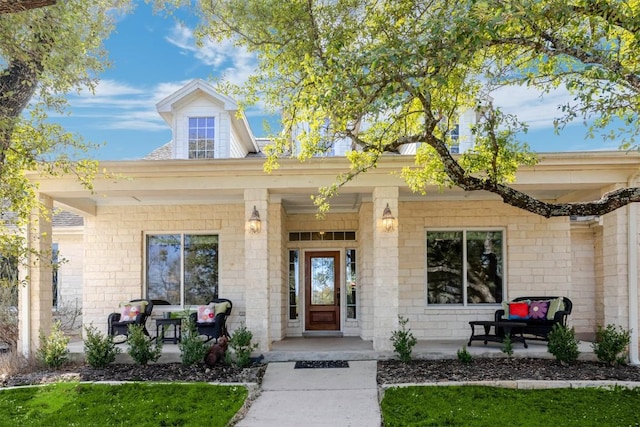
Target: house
(178,228)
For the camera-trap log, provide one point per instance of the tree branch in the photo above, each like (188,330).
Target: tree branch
(14,6)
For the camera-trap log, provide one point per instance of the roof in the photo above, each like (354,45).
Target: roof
(160,153)
(66,219)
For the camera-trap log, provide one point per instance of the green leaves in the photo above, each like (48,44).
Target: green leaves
(388,74)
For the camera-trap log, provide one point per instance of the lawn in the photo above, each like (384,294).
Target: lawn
(482,406)
(139,404)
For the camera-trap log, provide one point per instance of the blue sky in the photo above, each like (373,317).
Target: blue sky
(153,56)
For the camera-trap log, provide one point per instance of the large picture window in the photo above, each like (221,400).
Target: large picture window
(451,280)
(201,137)
(182,268)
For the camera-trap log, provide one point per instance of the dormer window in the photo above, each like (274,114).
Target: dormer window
(455,139)
(201,137)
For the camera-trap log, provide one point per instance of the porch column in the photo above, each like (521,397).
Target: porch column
(385,269)
(36,297)
(613,293)
(256,268)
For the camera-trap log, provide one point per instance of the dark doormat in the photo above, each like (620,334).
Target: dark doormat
(319,364)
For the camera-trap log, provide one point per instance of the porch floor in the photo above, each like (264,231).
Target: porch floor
(355,348)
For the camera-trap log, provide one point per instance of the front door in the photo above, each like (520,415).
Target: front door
(322,291)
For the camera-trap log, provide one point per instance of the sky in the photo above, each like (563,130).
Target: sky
(153,55)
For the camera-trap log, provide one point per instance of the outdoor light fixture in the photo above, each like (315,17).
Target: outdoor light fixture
(254,221)
(387,219)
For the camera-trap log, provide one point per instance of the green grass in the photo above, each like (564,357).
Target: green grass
(132,404)
(484,406)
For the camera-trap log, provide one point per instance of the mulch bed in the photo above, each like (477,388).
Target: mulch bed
(389,372)
(504,369)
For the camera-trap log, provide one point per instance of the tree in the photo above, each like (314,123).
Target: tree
(393,72)
(13,6)
(44,54)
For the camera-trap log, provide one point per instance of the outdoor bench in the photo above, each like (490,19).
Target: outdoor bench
(539,313)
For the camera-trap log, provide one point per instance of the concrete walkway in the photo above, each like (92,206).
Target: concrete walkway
(336,397)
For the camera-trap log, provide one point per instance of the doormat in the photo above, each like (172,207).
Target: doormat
(319,364)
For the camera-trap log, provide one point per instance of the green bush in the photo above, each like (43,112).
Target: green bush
(53,350)
(563,343)
(99,349)
(611,344)
(464,356)
(192,348)
(141,348)
(507,345)
(240,343)
(403,340)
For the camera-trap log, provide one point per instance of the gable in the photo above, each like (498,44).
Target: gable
(228,133)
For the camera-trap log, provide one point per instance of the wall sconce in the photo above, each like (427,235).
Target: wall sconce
(387,219)
(254,222)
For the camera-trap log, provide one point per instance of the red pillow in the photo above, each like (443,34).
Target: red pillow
(518,310)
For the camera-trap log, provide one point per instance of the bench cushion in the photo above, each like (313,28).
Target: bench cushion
(555,305)
(538,309)
(518,310)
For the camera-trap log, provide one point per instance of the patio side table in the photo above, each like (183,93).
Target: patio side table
(161,326)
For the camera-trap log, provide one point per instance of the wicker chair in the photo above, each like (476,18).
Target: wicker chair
(118,327)
(217,328)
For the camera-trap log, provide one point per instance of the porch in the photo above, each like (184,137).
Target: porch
(354,348)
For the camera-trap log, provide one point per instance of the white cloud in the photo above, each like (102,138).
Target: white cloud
(232,63)
(530,105)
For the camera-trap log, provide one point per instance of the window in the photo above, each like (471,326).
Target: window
(55,264)
(479,280)
(9,281)
(182,268)
(352,282)
(294,283)
(455,139)
(201,137)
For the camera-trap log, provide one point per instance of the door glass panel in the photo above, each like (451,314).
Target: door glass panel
(322,281)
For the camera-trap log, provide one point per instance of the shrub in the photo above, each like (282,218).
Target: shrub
(403,340)
(240,343)
(100,350)
(563,343)
(507,345)
(141,348)
(192,348)
(464,356)
(611,344)
(53,350)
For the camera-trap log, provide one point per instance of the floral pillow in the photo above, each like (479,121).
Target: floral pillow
(129,312)
(538,309)
(518,310)
(206,314)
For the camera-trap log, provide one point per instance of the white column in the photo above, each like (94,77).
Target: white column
(256,263)
(385,269)
(36,297)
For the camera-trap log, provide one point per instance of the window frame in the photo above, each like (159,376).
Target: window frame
(213,150)
(182,235)
(465,284)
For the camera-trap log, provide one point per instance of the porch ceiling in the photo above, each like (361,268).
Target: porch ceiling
(559,177)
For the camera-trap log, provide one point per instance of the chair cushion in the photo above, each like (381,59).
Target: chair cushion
(128,312)
(221,307)
(206,313)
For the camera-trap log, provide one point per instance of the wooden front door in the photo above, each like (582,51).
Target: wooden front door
(322,291)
